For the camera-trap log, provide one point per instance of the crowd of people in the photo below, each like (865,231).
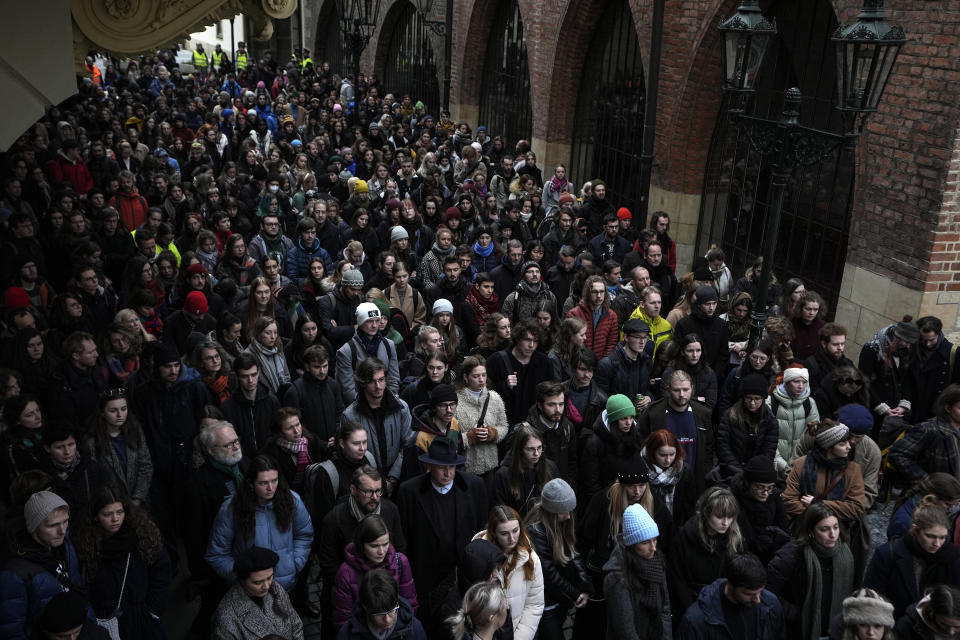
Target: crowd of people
(285,337)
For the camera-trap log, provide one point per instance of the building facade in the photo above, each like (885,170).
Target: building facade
(875,227)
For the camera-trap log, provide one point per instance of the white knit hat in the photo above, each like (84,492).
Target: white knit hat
(367,311)
(792,373)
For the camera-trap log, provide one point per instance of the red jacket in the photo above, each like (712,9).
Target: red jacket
(76,173)
(132,208)
(603,338)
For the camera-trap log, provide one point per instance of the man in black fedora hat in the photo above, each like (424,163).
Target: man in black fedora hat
(440,511)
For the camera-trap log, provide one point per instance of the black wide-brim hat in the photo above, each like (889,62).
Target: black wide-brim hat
(442,451)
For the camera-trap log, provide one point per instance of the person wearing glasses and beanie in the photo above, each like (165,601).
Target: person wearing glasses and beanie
(762,519)
(435,419)
(635,582)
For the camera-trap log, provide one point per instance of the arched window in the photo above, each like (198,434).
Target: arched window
(409,64)
(812,240)
(330,46)
(505,92)
(608,129)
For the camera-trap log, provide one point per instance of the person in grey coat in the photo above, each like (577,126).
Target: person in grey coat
(367,342)
(114,428)
(385,417)
(256,606)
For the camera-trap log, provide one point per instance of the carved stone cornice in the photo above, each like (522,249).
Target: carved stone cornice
(131,27)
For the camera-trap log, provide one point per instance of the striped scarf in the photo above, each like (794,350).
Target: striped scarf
(298,448)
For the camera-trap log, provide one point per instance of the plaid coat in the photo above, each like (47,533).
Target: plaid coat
(928,447)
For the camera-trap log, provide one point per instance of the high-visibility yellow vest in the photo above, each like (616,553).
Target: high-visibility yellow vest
(303,65)
(199,59)
(242,60)
(217,58)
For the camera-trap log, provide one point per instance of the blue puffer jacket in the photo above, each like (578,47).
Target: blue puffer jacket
(28,580)
(292,545)
(299,257)
(704,620)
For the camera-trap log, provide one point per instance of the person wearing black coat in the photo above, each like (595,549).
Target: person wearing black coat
(317,395)
(610,441)
(927,621)
(126,567)
(706,323)
(441,511)
(286,434)
(507,275)
(251,416)
(565,580)
(904,568)
(338,309)
(749,427)
(480,559)
(74,479)
(763,520)
(758,359)
(210,484)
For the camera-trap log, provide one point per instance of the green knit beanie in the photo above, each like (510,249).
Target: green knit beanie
(383,306)
(619,406)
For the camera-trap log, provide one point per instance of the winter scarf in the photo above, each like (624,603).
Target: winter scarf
(64,470)
(218,385)
(647,583)
(483,252)
(270,369)
(665,481)
(440,253)
(371,344)
(931,568)
(299,449)
(558,185)
(808,477)
(230,469)
(358,513)
(482,308)
(842,560)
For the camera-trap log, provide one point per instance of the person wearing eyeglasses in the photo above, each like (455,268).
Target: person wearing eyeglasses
(763,519)
(218,477)
(434,419)
(381,612)
(844,385)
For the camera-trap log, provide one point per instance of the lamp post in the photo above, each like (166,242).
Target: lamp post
(866,52)
(444,29)
(358,20)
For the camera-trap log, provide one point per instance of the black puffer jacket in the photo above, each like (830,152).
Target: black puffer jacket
(739,439)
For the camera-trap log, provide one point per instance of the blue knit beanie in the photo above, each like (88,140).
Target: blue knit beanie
(638,526)
(857,417)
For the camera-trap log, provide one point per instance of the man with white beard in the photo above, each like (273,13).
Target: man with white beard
(210,484)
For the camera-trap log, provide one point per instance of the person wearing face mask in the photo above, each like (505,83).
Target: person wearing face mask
(885,360)
(812,574)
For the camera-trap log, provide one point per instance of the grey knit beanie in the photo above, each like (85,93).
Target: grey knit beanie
(39,506)
(558,497)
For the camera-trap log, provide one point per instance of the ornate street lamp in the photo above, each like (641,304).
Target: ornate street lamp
(358,20)
(424,7)
(747,35)
(866,52)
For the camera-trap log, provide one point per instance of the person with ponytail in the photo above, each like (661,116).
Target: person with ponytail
(936,616)
(812,574)
(483,612)
(521,573)
(903,568)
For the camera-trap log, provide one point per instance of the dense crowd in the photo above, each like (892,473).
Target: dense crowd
(330,361)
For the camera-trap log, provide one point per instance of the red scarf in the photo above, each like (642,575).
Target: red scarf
(482,308)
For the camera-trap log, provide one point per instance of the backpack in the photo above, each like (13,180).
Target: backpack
(311,478)
(775,404)
(354,358)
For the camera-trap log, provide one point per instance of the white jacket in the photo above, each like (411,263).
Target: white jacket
(525,596)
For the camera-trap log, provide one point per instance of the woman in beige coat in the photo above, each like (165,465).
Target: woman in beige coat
(481,440)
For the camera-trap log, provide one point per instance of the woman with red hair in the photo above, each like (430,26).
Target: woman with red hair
(671,478)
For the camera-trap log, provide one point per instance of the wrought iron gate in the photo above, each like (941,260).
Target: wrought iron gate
(505,92)
(812,241)
(410,66)
(608,131)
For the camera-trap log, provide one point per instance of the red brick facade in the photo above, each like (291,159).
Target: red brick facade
(906,214)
